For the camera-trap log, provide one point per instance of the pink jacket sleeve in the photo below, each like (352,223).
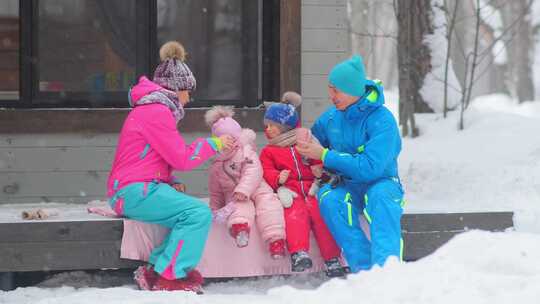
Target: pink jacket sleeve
(252,173)
(217,197)
(160,131)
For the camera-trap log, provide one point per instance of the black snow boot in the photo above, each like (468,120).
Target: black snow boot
(300,261)
(334,268)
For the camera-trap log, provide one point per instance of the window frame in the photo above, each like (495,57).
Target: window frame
(146,60)
(281,72)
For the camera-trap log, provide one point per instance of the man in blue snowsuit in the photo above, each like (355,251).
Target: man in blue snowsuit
(360,143)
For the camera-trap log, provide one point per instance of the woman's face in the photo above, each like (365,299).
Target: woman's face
(183,97)
(271,130)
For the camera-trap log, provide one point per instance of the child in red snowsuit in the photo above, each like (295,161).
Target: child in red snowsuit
(291,177)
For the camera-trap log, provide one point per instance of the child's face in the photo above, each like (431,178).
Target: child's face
(271,130)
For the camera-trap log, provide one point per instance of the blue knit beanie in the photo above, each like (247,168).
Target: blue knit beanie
(285,113)
(349,76)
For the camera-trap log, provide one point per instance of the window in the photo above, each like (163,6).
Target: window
(86,50)
(88,53)
(9,50)
(222,41)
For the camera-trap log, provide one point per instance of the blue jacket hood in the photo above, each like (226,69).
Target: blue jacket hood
(373,98)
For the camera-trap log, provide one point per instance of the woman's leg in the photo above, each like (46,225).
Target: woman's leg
(188,218)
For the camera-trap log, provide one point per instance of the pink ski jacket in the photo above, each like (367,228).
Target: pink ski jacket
(150,146)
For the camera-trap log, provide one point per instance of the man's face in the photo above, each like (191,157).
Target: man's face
(341,100)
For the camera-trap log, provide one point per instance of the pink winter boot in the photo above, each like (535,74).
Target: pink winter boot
(145,277)
(192,282)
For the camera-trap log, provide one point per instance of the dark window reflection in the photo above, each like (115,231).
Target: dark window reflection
(86,46)
(9,49)
(211,31)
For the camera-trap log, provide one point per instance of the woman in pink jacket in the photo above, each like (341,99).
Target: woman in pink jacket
(140,184)
(236,178)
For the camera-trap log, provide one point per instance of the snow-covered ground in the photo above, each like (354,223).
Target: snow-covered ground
(494,164)
(491,165)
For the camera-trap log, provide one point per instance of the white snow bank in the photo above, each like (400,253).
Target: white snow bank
(475,267)
(492,165)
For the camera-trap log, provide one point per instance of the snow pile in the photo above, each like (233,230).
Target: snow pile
(492,165)
(475,267)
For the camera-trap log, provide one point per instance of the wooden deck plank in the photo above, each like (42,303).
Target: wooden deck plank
(45,232)
(70,245)
(76,255)
(493,221)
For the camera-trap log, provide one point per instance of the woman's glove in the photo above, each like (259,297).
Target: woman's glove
(286,196)
(222,215)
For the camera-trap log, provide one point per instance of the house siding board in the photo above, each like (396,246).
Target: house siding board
(73,167)
(325,42)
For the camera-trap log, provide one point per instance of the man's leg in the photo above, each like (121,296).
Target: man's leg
(339,208)
(383,210)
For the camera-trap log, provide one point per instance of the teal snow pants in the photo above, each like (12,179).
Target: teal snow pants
(188,219)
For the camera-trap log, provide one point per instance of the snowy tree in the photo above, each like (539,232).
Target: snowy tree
(516,16)
(504,44)
(414,60)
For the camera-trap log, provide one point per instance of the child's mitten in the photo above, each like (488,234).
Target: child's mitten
(286,196)
(221,215)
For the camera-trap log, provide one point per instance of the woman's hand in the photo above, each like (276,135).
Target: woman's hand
(283,176)
(179,187)
(227,141)
(239,197)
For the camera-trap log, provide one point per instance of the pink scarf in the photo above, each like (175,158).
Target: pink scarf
(284,139)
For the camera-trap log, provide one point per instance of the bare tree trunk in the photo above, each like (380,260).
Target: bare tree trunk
(414,60)
(518,41)
(467,90)
(523,44)
(451,25)
(474,55)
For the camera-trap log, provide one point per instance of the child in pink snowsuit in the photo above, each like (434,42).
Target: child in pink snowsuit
(236,178)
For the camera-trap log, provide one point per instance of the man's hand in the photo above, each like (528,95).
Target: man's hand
(312,150)
(283,176)
(239,197)
(179,187)
(317,170)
